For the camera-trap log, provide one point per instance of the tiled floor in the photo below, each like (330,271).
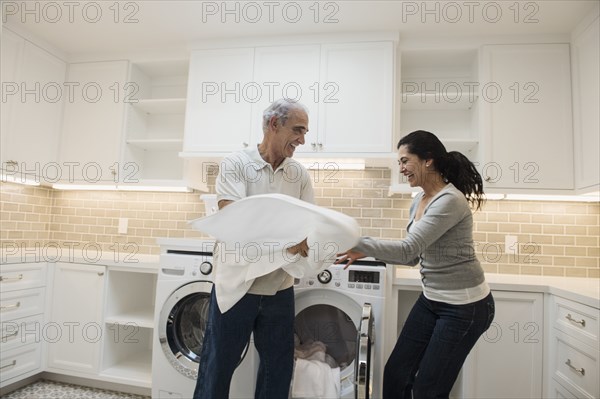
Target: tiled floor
(44,389)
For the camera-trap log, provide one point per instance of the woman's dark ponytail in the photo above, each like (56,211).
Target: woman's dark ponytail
(461,172)
(454,166)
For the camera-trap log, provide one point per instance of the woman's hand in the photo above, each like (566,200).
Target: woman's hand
(349,257)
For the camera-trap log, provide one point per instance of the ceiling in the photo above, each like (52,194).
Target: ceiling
(89,27)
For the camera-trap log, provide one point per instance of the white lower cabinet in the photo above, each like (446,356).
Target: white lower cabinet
(507,361)
(75,329)
(22,294)
(101,324)
(573,350)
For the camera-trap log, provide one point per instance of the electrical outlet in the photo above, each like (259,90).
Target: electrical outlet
(123,222)
(511,246)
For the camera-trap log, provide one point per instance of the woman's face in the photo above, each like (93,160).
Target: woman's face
(414,168)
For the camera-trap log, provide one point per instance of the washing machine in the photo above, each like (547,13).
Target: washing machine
(184,283)
(344,309)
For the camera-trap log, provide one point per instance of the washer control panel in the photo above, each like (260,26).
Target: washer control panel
(365,278)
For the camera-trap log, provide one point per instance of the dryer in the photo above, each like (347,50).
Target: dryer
(344,309)
(184,283)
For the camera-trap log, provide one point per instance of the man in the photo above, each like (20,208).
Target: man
(267,310)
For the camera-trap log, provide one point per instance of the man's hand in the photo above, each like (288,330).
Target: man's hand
(300,248)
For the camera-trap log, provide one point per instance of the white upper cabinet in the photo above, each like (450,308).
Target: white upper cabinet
(33,84)
(586,103)
(287,72)
(218,115)
(356,93)
(93,122)
(527,117)
(347,87)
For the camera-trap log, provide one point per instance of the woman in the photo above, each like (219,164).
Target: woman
(456,305)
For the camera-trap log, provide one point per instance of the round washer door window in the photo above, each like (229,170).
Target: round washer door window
(182,326)
(332,319)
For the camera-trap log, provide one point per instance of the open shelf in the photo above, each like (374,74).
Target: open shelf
(137,368)
(155,123)
(157,144)
(143,318)
(159,106)
(438,101)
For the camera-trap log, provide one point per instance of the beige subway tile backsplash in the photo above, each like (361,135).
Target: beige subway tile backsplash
(558,239)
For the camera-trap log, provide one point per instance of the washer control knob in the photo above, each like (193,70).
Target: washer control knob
(324,277)
(206,268)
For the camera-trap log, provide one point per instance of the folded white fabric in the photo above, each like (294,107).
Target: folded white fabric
(315,379)
(255,232)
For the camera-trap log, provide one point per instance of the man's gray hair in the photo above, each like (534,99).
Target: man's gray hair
(281,109)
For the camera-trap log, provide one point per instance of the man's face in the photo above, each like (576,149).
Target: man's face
(291,134)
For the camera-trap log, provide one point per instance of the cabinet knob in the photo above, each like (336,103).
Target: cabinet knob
(575,369)
(11,163)
(11,335)
(245,144)
(17,278)
(100,273)
(314,146)
(320,146)
(13,363)
(572,320)
(13,306)
(488,179)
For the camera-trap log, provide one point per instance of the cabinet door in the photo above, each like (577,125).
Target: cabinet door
(12,58)
(527,117)
(290,72)
(355,104)
(586,98)
(506,362)
(218,110)
(35,110)
(75,332)
(93,121)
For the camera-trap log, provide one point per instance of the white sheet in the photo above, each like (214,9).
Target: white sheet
(255,232)
(315,379)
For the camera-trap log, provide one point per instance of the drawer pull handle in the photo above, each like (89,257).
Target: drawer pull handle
(7,336)
(13,306)
(11,364)
(572,320)
(575,369)
(19,277)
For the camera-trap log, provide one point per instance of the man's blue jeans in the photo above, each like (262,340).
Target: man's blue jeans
(433,346)
(271,319)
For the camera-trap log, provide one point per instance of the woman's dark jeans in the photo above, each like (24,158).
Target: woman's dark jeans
(433,346)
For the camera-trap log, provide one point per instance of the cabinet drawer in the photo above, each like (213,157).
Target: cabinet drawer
(575,365)
(20,361)
(560,392)
(21,332)
(22,303)
(22,276)
(577,320)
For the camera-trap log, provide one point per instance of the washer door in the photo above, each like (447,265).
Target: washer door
(362,370)
(346,329)
(182,325)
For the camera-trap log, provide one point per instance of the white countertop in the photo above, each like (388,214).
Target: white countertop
(116,260)
(582,290)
